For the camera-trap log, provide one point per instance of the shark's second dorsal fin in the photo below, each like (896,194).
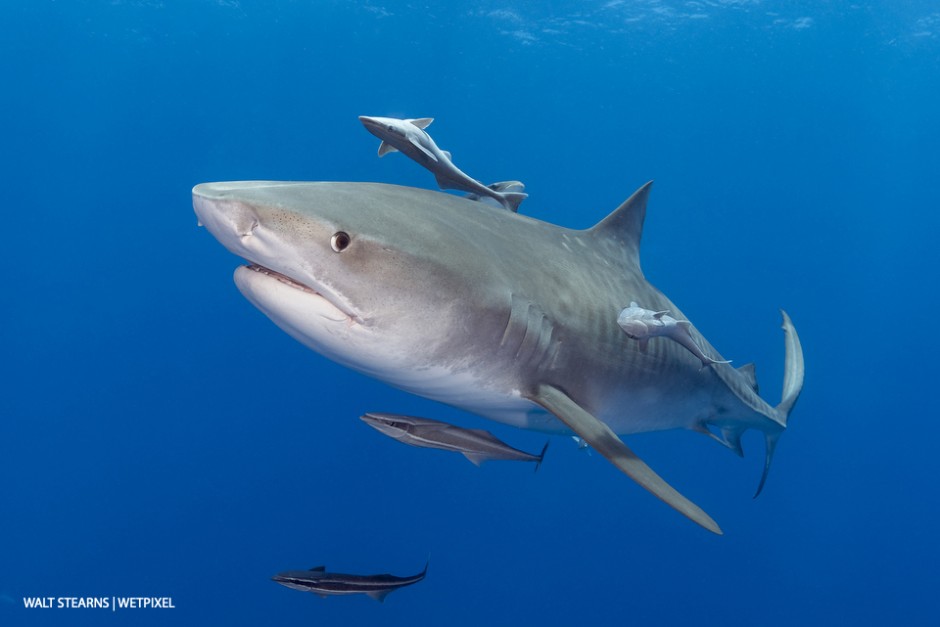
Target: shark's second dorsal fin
(749,372)
(625,224)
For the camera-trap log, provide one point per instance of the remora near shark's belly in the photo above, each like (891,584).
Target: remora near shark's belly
(498,313)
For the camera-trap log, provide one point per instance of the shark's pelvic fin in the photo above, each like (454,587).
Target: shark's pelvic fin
(606,442)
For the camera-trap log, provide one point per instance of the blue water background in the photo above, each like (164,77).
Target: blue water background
(160,437)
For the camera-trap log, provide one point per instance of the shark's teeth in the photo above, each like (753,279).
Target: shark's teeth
(283,278)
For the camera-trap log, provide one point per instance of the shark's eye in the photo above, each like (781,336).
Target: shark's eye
(340,241)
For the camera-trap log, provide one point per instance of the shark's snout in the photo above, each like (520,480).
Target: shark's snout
(229,220)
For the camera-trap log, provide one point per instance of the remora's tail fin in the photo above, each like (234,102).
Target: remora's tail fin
(512,200)
(792,386)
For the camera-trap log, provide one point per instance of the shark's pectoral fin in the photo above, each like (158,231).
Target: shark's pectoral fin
(606,442)
(385,148)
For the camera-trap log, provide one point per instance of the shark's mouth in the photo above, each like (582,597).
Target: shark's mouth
(342,310)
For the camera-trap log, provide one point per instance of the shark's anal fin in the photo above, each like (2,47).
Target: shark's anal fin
(606,442)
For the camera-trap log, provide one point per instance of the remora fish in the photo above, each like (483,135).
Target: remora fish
(322,583)
(494,312)
(642,324)
(409,137)
(476,445)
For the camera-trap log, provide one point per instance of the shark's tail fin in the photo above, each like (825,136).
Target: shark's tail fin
(792,386)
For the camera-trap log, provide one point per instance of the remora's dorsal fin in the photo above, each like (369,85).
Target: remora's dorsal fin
(625,224)
(606,442)
(422,122)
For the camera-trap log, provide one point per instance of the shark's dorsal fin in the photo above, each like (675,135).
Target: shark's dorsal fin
(625,224)
(318,569)
(422,122)
(447,154)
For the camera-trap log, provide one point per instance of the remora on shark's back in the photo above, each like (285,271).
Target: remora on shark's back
(409,137)
(644,324)
(494,312)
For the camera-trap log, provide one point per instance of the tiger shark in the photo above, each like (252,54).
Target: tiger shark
(500,314)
